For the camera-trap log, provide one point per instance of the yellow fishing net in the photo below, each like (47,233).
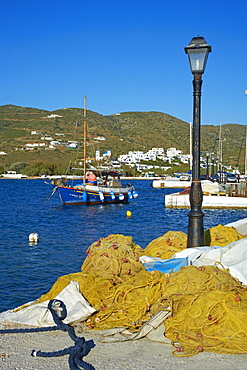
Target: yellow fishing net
(208,306)
(115,255)
(208,311)
(221,235)
(121,302)
(167,245)
(114,282)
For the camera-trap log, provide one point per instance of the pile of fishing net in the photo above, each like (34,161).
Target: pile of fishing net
(121,302)
(166,245)
(221,235)
(115,255)
(114,282)
(208,311)
(207,305)
(174,241)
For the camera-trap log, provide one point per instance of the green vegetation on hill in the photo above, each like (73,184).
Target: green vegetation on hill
(123,132)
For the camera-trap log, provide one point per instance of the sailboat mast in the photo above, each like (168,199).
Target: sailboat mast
(220,148)
(85,138)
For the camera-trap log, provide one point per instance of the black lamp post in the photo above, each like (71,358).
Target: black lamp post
(207,156)
(197,51)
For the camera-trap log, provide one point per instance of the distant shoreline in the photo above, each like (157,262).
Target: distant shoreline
(78,178)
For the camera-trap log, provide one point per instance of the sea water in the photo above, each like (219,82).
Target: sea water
(65,232)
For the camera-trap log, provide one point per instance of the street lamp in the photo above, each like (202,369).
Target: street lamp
(207,156)
(197,51)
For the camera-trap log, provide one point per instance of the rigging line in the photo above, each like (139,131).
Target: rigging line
(76,156)
(93,148)
(46,199)
(67,169)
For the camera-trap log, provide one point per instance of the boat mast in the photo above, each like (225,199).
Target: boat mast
(85,139)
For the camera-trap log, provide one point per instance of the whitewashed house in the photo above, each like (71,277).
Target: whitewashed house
(100,138)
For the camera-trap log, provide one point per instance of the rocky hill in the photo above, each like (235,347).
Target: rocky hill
(122,132)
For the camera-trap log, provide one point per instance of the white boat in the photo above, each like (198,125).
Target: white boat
(178,200)
(13,175)
(214,196)
(170,182)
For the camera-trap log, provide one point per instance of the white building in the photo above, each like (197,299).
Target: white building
(72,145)
(35,145)
(46,137)
(97,155)
(100,138)
(173,152)
(107,154)
(53,116)
(55,143)
(156,151)
(137,156)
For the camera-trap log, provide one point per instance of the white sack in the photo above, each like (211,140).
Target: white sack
(39,315)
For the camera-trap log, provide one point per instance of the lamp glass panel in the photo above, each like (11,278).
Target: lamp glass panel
(198,58)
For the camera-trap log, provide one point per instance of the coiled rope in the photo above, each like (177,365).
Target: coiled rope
(76,352)
(80,349)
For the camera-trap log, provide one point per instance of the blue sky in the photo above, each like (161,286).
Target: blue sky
(124,55)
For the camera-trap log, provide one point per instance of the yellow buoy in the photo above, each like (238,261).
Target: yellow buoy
(128,213)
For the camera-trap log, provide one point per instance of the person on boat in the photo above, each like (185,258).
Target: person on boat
(92,179)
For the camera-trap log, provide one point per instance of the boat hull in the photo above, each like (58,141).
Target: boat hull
(177,200)
(175,183)
(94,195)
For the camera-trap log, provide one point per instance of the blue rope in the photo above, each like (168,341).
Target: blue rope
(32,330)
(76,353)
(80,349)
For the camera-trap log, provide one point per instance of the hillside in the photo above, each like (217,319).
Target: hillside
(123,132)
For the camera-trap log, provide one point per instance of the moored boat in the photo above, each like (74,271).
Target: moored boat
(214,196)
(98,187)
(13,175)
(170,182)
(105,189)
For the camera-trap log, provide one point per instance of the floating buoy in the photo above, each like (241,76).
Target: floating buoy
(91,177)
(101,196)
(135,194)
(128,213)
(84,196)
(121,196)
(33,238)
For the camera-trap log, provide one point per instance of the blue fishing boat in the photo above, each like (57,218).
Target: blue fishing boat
(98,187)
(102,190)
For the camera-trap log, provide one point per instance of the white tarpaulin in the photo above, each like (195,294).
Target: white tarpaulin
(233,256)
(39,315)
